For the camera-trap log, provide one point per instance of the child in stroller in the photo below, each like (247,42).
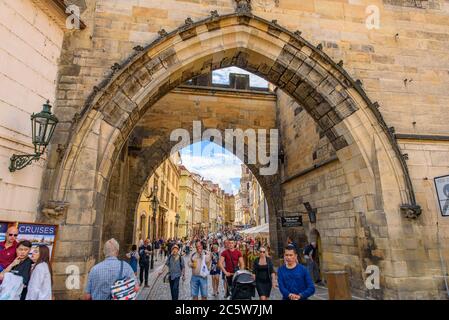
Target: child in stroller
(243,286)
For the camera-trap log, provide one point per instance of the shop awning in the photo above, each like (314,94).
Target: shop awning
(262,229)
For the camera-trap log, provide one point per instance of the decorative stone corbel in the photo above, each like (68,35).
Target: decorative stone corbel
(411,211)
(54,209)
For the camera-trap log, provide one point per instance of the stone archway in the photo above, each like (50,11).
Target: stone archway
(79,182)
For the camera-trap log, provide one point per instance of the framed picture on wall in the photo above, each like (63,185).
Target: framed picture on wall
(442,188)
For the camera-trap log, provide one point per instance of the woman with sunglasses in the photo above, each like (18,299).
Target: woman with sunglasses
(264,274)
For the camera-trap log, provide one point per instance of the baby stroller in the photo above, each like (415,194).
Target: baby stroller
(243,286)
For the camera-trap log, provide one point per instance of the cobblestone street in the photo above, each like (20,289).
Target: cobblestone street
(158,290)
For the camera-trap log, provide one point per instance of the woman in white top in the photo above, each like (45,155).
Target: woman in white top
(39,287)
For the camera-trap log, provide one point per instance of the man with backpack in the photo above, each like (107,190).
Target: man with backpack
(111,278)
(231,260)
(176,270)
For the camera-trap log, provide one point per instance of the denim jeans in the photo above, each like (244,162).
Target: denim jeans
(174,288)
(312,267)
(198,284)
(144,270)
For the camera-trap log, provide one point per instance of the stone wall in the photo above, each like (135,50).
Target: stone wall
(29,54)
(325,188)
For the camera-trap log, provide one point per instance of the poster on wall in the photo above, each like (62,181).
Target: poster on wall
(3,228)
(442,186)
(35,233)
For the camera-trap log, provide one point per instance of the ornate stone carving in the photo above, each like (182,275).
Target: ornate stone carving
(116,67)
(243,6)
(54,209)
(162,33)
(138,48)
(411,211)
(214,14)
(188,21)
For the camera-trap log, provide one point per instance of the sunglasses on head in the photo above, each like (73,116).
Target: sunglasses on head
(13,234)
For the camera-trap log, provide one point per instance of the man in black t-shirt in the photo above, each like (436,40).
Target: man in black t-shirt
(144,261)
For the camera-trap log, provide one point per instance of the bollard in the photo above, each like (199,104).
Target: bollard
(338,285)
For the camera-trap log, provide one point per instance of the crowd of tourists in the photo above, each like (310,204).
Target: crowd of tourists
(25,272)
(218,258)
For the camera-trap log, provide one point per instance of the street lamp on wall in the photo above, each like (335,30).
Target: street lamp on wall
(177,217)
(311,212)
(43,125)
(154,205)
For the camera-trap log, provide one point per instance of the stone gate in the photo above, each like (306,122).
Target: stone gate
(368,211)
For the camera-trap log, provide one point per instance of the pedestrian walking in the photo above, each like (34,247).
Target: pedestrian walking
(39,287)
(231,260)
(264,274)
(176,269)
(144,262)
(294,280)
(199,262)
(105,274)
(311,257)
(133,257)
(290,242)
(157,249)
(215,270)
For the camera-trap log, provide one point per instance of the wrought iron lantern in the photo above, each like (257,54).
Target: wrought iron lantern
(311,212)
(43,126)
(154,200)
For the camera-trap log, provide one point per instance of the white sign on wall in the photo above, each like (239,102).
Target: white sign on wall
(442,187)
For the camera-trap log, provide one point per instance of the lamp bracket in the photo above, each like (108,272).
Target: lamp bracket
(19,162)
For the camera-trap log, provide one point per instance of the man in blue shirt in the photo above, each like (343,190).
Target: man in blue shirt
(294,280)
(104,274)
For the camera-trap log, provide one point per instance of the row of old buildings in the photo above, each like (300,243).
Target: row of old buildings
(251,207)
(186,204)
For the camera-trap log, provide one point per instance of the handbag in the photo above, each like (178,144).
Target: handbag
(204,272)
(11,287)
(123,288)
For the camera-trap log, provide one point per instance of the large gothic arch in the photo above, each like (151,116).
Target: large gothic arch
(338,104)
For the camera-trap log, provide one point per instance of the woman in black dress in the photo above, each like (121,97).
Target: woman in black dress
(265,275)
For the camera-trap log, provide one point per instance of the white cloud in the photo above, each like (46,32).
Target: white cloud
(221,167)
(222,77)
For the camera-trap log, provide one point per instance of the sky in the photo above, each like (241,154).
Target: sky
(222,77)
(214,163)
